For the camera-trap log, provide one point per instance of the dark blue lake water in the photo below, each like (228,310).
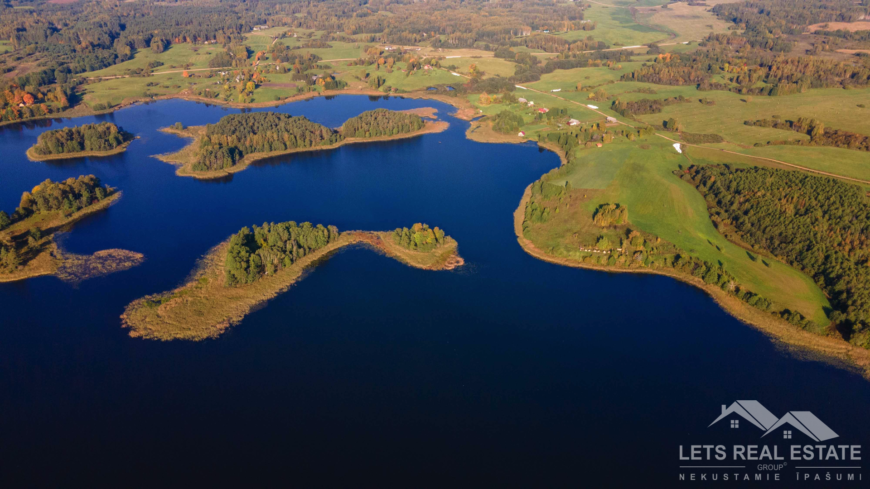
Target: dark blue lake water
(508,372)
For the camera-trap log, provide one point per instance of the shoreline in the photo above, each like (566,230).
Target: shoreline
(47,261)
(81,154)
(204,308)
(464,109)
(772,326)
(181,158)
(482,132)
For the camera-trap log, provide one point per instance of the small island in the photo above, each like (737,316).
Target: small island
(27,247)
(103,139)
(238,140)
(257,264)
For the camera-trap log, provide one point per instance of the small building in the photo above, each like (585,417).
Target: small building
(599,145)
(573,122)
(521,134)
(543,110)
(611,120)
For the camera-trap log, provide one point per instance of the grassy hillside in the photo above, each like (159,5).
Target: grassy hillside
(640,177)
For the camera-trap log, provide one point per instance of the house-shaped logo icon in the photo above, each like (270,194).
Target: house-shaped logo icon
(807,423)
(751,411)
(757,415)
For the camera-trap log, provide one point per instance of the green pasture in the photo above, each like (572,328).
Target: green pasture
(660,203)
(173,58)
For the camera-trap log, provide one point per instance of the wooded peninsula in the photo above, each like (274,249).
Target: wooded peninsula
(238,140)
(27,247)
(255,265)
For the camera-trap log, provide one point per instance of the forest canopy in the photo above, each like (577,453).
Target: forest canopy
(267,249)
(237,135)
(816,224)
(381,122)
(101,137)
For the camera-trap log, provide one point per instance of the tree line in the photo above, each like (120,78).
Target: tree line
(818,225)
(224,144)
(381,122)
(104,136)
(818,133)
(267,249)
(645,105)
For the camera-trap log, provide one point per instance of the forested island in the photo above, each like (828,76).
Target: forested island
(27,247)
(237,140)
(258,263)
(101,139)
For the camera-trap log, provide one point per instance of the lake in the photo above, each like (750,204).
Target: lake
(507,372)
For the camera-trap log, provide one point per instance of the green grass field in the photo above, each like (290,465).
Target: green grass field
(5,47)
(660,203)
(173,58)
(615,26)
(688,23)
(489,66)
(116,90)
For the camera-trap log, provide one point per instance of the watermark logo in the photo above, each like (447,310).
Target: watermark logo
(794,447)
(758,416)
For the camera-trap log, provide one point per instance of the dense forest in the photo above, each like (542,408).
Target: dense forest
(765,21)
(237,135)
(70,195)
(746,69)
(818,225)
(381,122)
(104,136)
(419,238)
(271,247)
(818,133)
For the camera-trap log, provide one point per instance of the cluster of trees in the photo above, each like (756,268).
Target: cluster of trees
(765,21)
(818,225)
(607,215)
(104,136)
(236,135)
(9,258)
(589,134)
(69,196)
(818,133)
(381,122)
(272,247)
(419,238)
(645,105)
(750,72)
(507,122)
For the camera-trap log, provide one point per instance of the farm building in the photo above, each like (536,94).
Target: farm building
(521,134)
(543,110)
(573,122)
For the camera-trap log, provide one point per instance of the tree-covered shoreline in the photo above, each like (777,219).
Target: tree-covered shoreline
(90,138)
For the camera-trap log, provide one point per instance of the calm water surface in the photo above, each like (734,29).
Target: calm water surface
(509,372)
